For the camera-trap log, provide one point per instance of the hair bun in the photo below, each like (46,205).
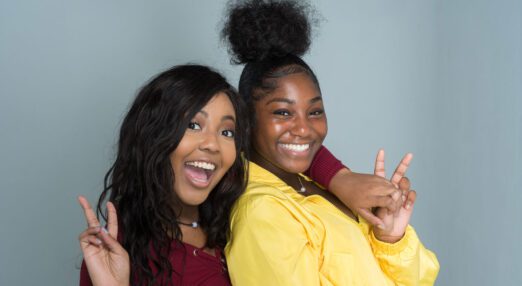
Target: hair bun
(257,30)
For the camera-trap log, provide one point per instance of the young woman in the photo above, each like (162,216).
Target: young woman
(286,230)
(175,178)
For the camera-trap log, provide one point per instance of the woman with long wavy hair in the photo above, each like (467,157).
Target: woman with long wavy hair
(176,175)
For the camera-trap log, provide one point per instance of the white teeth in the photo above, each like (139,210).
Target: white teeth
(296,147)
(202,165)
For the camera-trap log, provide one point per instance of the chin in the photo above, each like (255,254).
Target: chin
(296,167)
(194,200)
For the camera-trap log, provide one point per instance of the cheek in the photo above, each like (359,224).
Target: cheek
(229,154)
(321,128)
(271,131)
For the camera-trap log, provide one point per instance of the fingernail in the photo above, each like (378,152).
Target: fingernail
(104,230)
(396,196)
(408,206)
(403,197)
(98,241)
(381,226)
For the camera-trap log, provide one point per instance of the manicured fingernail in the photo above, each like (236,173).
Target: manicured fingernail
(98,241)
(104,230)
(408,206)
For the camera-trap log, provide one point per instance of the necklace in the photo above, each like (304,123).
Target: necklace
(303,189)
(194,224)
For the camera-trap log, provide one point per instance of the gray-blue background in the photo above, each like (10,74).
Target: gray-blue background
(442,79)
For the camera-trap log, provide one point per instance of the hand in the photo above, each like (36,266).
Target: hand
(106,260)
(395,222)
(362,192)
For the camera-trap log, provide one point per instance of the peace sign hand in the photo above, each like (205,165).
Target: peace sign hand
(106,260)
(395,223)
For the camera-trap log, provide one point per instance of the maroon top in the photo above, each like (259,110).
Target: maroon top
(200,268)
(324,166)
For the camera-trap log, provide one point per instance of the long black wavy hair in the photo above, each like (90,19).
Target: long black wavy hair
(269,37)
(141,180)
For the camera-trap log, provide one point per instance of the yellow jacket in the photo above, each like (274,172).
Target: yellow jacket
(279,237)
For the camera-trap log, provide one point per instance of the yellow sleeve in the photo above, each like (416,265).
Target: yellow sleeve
(406,262)
(269,245)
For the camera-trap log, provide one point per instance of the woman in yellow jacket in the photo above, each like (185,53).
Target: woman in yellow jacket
(286,230)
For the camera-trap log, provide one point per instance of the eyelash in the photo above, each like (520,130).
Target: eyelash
(231,135)
(192,125)
(287,113)
(282,112)
(227,133)
(317,112)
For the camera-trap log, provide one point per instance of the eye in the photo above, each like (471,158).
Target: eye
(228,133)
(282,112)
(317,113)
(194,126)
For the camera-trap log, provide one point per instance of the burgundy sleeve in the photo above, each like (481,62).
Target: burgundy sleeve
(324,166)
(85,280)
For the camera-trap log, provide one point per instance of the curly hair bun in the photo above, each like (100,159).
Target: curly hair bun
(257,30)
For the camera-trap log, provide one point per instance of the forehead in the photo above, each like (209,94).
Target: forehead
(295,86)
(219,105)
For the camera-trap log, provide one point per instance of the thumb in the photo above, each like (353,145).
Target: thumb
(370,217)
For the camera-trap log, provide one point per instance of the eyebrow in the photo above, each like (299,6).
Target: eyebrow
(224,118)
(228,117)
(286,100)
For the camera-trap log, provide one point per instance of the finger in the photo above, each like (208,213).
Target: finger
(94,240)
(90,216)
(404,184)
(112,220)
(387,202)
(112,244)
(412,196)
(400,171)
(370,217)
(379,164)
(84,237)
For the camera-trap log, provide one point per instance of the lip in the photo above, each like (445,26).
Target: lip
(195,181)
(294,152)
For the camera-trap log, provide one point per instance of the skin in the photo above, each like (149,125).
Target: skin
(395,222)
(208,138)
(294,114)
(364,192)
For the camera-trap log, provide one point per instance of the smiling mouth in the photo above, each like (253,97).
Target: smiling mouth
(199,173)
(299,148)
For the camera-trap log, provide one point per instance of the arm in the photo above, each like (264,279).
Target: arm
(406,262)
(269,246)
(399,251)
(359,192)
(324,167)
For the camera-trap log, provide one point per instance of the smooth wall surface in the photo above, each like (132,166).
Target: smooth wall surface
(442,79)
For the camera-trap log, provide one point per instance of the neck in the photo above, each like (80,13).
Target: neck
(289,178)
(189,214)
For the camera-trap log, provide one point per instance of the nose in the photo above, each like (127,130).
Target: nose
(301,126)
(209,142)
